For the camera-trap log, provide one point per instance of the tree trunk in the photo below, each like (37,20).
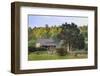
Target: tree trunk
(68,47)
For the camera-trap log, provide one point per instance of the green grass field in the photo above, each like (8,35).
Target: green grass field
(44,56)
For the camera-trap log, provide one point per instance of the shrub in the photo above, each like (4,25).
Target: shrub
(31,43)
(34,49)
(61,52)
(86,47)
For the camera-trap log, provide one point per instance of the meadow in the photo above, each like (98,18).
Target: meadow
(45,56)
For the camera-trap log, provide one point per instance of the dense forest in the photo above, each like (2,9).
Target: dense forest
(74,37)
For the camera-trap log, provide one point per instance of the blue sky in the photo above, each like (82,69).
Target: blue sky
(41,21)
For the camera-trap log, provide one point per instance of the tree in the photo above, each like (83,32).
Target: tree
(29,33)
(54,31)
(47,31)
(84,32)
(72,39)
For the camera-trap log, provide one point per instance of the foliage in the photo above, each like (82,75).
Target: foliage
(34,49)
(31,42)
(29,33)
(61,52)
(83,31)
(71,36)
(42,32)
(86,47)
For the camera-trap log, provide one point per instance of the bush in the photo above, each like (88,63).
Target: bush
(31,43)
(33,49)
(86,47)
(61,52)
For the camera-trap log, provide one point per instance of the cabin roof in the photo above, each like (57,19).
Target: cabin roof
(46,42)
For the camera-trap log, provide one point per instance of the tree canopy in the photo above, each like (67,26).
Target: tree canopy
(71,36)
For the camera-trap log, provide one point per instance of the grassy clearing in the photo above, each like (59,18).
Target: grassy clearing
(44,56)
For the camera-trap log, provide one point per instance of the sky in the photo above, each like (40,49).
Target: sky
(41,20)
